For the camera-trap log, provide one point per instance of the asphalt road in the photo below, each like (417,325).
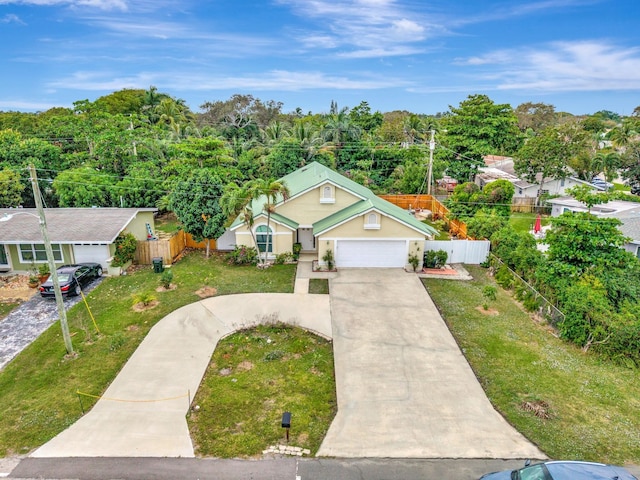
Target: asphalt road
(274,469)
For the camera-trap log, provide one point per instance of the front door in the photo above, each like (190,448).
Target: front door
(4,259)
(305,238)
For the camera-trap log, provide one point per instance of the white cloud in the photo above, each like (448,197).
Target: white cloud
(11,18)
(365,26)
(100,4)
(281,80)
(562,66)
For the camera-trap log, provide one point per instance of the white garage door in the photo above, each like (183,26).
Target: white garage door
(371,253)
(91,253)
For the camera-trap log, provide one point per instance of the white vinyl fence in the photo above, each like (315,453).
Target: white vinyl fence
(473,252)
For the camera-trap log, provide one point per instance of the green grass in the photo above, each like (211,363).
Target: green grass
(38,388)
(524,222)
(167,223)
(6,308)
(255,375)
(592,404)
(319,285)
(621,187)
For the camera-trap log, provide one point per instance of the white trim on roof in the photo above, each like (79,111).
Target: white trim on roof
(262,214)
(373,209)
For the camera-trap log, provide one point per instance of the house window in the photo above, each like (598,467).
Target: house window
(35,252)
(262,234)
(372,222)
(327,195)
(562,182)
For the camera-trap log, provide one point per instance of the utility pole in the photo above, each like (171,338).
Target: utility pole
(432,147)
(62,313)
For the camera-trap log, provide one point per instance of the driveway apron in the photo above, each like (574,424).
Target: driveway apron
(404,388)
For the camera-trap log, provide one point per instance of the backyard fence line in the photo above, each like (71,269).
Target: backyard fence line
(547,310)
(431,203)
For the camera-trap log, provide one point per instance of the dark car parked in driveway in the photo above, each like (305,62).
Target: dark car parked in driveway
(72,279)
(563,470)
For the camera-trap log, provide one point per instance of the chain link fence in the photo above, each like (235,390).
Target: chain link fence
(532,300)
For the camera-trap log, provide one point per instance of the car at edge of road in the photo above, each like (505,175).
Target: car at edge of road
(72,278)
(562,470)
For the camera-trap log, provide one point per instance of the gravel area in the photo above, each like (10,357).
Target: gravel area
(24,324)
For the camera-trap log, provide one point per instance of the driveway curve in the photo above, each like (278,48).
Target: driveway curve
(143,412)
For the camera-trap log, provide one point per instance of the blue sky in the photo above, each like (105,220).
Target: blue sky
(417,55)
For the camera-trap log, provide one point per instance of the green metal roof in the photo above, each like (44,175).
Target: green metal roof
(373,203)
(315,174)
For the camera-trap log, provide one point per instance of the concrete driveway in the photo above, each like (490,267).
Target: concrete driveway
(404,387)
(143,412)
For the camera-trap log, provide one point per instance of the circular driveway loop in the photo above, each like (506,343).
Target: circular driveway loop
(404,388)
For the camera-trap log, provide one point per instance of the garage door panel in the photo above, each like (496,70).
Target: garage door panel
(371,253)
(91,253)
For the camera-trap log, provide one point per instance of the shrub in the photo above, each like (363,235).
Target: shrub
(283,258)
(328,259)
(126,245)
(166,278)
(504,277)
(144,298)
(243,255)
(297,248)
(434,259)
(414,261)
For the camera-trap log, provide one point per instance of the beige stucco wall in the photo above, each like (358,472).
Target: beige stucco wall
(389,229)
(282,237)
(138,226)
(307,208)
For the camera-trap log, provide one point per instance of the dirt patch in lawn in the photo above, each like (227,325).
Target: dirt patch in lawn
(206,292)
(15,289)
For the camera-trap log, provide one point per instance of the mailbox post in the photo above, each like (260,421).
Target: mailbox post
(286,423)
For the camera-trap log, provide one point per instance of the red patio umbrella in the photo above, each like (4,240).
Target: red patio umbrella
(538,226)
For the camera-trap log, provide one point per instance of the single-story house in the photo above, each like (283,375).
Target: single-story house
(327,211)
(627,212)
(497,167)
(76,234)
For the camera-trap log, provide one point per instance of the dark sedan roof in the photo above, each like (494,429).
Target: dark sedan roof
(567,470)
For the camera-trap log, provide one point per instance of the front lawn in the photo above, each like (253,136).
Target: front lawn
(38,388)
(254,376)
(571,404)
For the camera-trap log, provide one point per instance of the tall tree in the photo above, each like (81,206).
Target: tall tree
(196,202)
(543,156)
(10,188)
(535,116)
(478,127)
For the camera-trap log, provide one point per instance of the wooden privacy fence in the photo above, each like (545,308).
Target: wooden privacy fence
(431,203)
(168,248)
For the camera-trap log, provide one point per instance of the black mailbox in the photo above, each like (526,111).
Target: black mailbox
(286,420)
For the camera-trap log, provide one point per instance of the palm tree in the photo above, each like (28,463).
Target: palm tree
(340,128)
(622,135)
(240,201)
(607,163)
(273,191)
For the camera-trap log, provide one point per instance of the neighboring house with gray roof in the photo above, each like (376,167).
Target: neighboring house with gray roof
(497,167)
(327,211)
(627,212)
(77,235)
